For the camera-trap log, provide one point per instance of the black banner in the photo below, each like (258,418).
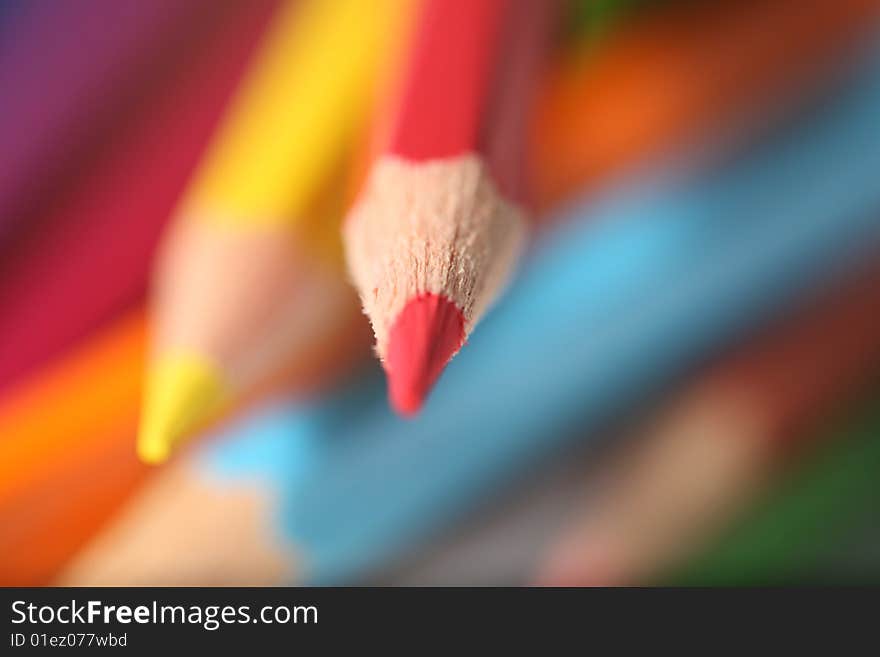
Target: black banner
(247,618)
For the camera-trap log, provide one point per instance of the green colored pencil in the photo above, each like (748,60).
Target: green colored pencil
(830,496)
(589,20)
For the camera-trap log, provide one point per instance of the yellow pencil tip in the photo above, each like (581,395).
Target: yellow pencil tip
(152,451)
(182,392)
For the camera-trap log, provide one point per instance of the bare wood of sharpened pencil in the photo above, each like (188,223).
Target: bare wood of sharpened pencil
(440,222)
(184,531)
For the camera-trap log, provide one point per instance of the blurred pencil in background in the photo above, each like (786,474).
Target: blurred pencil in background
(151,161)
(7,9)
(76,266)
(247,272)
(829,495)
(64,84)
(63,472)
(699,464)
(67,472)
(676,75)
(586,21)
(87,255)
(440,221)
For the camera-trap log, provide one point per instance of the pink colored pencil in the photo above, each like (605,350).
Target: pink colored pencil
(88,256)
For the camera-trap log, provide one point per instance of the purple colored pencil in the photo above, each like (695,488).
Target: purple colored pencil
(64,68)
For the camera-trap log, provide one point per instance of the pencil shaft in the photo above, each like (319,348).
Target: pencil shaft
(446,98)
(780,540)
(676,74)
(62,86)
(71,500)
(288,126)
(702,459)
(65,472)
(80,405)
(802,369)
(73,267)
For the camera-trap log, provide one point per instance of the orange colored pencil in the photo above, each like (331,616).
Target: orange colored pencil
(46,524)
(674,74)
(76,399)
(67,458)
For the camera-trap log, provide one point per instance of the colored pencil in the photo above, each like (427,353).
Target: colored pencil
(45,525)
(659,274)
(8,11)
(701,462)
(811,509)
(73,267)
(63,469)
(247,227)
(441,219)
(65,472)
(64,86)
(676,74)
(586,21)
(234,545)
(145,544)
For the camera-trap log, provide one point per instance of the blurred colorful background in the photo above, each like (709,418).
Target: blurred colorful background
(680,386)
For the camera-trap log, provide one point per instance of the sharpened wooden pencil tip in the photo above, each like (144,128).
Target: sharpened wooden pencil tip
(425,335)
(182,393)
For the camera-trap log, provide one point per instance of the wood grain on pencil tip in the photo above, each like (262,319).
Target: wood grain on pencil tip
(184,531)
(440,222)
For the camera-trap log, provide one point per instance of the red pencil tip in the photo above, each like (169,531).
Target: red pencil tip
(425,335)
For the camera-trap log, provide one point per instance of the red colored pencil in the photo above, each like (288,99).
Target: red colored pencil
(441,221)
(88,256)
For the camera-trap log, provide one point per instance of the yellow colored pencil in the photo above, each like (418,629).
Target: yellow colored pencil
(224,313)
